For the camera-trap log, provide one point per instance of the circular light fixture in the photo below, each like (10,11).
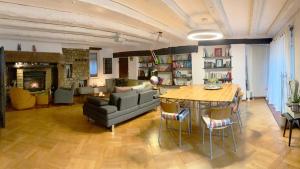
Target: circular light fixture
(204,34)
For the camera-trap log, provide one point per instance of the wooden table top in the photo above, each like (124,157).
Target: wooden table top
(198,93)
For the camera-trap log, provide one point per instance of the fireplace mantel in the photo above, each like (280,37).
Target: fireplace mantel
(24,56)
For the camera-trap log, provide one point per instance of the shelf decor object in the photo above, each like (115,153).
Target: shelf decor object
(219,62)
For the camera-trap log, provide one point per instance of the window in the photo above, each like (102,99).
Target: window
(93,65)
(292,53)
(107,69)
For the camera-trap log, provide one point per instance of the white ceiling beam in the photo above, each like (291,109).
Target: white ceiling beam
(61,36)
(256,13)
(44,27)
(178,10)
(216,10)
(43,15)
(289,9)
(138,15)
(75,44)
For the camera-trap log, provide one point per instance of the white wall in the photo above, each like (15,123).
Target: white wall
(238,52)
(197,66)
(133,64)
(100,80)
(257,56)
(27,46)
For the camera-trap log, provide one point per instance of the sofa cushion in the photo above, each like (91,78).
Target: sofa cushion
(146,96)
(138,88)
(122,89)
(114,97)
(96,101)
(128,101)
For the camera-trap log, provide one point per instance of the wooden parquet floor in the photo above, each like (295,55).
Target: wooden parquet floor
(61,138)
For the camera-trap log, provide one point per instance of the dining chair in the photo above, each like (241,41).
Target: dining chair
(235,108)
(218,119)
(173,111)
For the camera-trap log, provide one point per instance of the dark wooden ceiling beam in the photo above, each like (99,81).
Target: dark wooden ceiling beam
(163,51)
(235,41)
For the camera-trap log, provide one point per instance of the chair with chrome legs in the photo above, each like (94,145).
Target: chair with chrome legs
(235,108)
(172,111)
(218,119)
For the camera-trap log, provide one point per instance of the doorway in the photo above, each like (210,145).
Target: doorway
(123,67)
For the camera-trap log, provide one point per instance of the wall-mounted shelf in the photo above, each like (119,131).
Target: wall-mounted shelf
(145,67)
(217,63)
(219,57)
(178,69)
(219,68)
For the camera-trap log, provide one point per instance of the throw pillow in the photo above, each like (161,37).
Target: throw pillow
(122,89)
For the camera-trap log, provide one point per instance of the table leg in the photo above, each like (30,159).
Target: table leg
(285,125)
(291,129)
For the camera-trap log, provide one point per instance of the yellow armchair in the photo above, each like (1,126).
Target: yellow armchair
(21,99)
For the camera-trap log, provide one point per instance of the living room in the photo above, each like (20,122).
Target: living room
(93,84)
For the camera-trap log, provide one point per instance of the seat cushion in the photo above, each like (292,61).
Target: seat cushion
(211,123)
(42,99)
(175,116)
(107,109)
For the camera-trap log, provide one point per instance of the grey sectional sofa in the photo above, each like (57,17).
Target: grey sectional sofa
(120,107)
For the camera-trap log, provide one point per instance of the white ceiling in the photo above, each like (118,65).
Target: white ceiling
(96,22)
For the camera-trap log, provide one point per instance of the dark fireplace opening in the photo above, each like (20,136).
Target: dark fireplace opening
(34,80)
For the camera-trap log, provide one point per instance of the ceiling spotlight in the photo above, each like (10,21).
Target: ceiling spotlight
(204,34)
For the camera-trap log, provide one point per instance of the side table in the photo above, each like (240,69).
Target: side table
(290,120)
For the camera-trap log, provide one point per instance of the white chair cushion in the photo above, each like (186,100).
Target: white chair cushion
(211,123)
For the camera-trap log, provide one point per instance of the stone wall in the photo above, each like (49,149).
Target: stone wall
(79,59)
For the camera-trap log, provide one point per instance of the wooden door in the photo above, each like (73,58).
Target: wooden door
(2,89)
(123,67)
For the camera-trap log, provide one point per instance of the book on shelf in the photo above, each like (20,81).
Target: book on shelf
(154,57)
(218,52)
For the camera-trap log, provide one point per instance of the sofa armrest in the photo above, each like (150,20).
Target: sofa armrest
(97,101)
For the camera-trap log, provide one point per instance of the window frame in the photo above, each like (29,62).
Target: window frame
(93,54)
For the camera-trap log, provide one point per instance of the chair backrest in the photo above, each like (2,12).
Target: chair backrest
(237,91)
(239,97)
(219,113)
(169,107)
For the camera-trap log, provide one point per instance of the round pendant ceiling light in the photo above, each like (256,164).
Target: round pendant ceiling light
(204,34)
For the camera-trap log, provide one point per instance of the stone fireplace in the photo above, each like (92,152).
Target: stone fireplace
(34,80)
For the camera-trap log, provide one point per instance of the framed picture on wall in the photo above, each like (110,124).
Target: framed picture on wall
(107,65)
(219,62)
(68,69)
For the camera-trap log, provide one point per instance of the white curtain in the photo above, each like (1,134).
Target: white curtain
(278,73)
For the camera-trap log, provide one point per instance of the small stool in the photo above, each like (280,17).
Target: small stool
(291,121)
(42,99)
